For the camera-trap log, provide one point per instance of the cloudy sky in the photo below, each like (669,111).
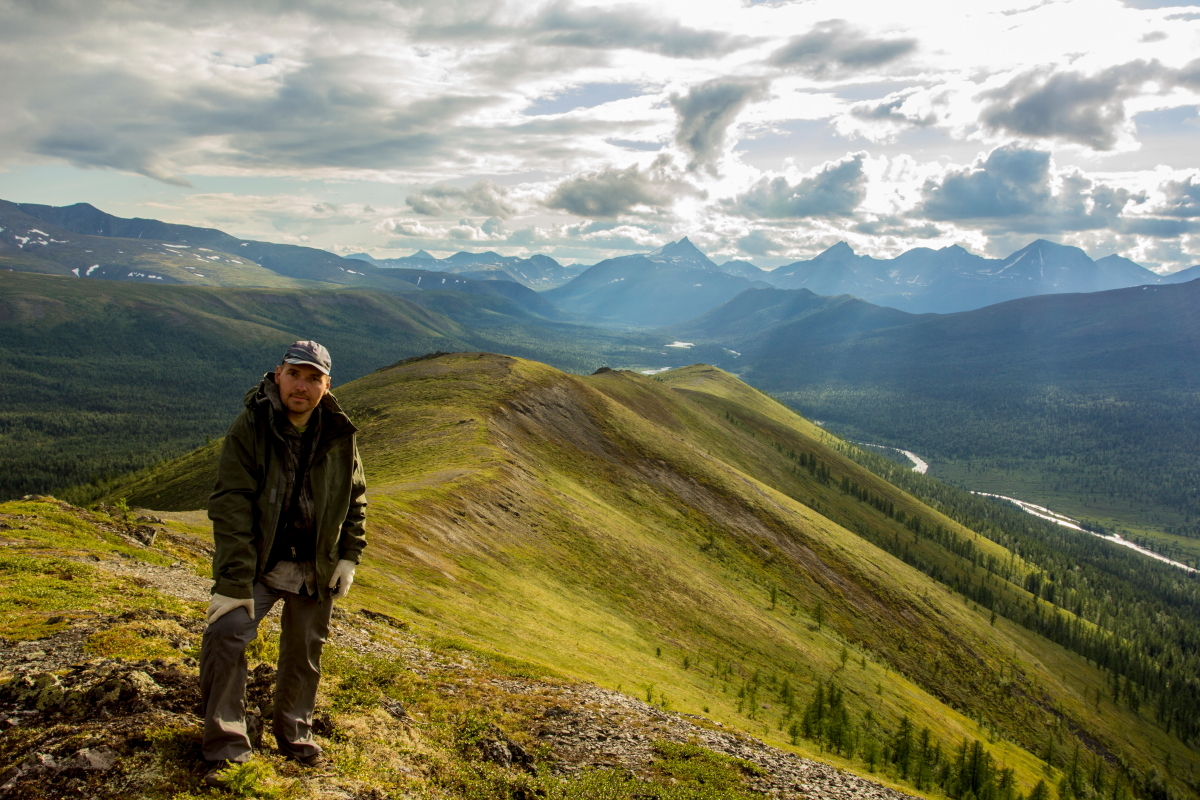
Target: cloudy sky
(764,131)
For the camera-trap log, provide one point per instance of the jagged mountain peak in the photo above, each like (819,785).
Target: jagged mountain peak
(841,251)
(683,250)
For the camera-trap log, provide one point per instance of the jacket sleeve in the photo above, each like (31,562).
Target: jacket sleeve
(354,531)
(231,509)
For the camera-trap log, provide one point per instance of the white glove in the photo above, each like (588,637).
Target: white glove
(343,576)
(219,605)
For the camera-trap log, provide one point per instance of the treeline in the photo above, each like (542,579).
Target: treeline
(964,771)
(968,771)
(1128,614)
(1135,617)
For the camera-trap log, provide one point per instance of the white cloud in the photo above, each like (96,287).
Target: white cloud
(281,125)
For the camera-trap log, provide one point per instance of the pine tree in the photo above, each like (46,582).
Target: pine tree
(902,746)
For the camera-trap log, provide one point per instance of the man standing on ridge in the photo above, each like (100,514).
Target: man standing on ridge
(288,524)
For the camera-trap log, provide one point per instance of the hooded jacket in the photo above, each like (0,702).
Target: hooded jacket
(246,504)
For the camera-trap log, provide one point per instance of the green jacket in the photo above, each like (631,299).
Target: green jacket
(245,505)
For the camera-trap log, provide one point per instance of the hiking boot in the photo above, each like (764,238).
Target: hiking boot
(215,777)
(318,763)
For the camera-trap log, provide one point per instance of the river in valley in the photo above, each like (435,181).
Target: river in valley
(1067,522)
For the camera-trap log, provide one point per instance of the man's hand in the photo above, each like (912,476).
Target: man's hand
(219,605)
(343,576)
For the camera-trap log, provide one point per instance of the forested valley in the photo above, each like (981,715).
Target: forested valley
(1097,456)
(1137,618)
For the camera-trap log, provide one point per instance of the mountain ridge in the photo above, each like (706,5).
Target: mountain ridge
(620,513)
(953,279)
(100,245)
(669,285)
(919,280)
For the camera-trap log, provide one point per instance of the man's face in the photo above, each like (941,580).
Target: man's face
(301,386)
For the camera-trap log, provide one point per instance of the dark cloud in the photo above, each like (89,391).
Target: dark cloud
(565,24)
(331,112)
(620,27)
(1012,182)
(334,111)
(484,197)
(612,192)
(1089,110)
(520,61)
(835,191)
(1011,190)
(1190,74)
(834,48)
(890,109)
(91,101)
(90,144)
(1183,198)
(705,114)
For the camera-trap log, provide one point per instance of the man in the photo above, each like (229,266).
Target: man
(288,523)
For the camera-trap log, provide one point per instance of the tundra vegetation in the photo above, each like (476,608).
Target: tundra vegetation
(691,542)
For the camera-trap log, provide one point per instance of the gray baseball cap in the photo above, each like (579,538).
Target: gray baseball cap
(311,353)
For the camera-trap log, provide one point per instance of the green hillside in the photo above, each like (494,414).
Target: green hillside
(107,376)
(1088,403)
(689,540)
(104,377)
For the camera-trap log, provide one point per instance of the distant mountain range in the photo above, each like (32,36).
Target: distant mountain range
(665,287)
(678,282)
(1138,336)
(674,283)
(536,272)
(953,279)
(82,241)
(668,285)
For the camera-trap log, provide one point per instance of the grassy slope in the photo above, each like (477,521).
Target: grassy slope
(104,377)
(400,715)
(629,531)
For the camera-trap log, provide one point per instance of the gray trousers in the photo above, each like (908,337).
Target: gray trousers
(223,670)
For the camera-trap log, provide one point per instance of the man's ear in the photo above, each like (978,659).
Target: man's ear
(278,372)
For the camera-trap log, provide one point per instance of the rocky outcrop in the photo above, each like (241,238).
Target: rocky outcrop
(88,732)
